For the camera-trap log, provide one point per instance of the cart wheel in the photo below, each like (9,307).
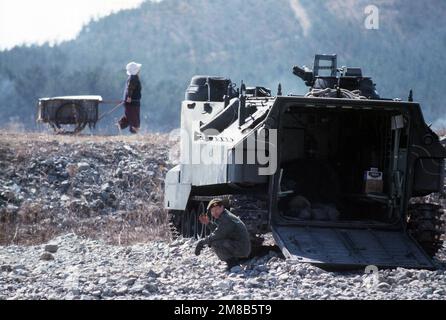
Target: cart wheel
(80,127)
(70,113)
(58,129)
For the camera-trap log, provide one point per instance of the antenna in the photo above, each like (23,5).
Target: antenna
(242,88)
(410,96)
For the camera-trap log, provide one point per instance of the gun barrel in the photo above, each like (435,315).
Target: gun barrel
(299,72)
(306,76)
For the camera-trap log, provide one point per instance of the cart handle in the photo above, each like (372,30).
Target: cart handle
(115,101)
(110,111)
(119,103)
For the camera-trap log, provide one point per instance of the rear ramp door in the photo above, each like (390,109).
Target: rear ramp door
(350,247)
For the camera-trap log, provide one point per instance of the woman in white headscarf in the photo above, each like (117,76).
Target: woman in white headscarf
(132,99)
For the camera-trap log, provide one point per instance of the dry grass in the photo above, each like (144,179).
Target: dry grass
(33,226)
(18,138)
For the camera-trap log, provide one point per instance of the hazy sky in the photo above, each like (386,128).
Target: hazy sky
(38,21)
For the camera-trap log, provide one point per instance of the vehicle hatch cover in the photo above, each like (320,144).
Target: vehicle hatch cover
(350,247)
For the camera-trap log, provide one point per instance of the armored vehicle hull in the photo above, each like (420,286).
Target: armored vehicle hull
(331,177)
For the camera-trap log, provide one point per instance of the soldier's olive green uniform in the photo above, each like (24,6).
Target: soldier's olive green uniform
(229,237)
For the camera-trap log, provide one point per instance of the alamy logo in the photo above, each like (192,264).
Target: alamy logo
(372,278)
(209,148)
(372,19)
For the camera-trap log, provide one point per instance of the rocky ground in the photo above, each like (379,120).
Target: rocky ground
(71,267)
(81,218)
(102,187)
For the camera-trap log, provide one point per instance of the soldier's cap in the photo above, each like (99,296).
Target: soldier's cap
(215,202)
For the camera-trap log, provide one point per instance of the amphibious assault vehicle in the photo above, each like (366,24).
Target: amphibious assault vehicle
(332,173)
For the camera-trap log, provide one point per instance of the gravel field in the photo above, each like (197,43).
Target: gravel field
(70,267)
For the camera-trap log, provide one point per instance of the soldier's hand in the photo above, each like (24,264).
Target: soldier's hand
(129,100)
(204,219)
(199,247)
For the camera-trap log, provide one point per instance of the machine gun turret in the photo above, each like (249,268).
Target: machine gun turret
(346,78)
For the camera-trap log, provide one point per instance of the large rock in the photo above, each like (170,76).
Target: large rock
(52,248)
(83,166)
(46,256)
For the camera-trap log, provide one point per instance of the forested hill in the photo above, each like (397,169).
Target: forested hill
(257,41)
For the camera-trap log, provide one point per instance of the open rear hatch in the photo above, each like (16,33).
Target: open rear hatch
(350,247)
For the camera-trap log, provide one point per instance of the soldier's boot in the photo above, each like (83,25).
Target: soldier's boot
(231,263)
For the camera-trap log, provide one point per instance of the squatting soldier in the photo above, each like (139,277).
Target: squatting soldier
(229,238)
